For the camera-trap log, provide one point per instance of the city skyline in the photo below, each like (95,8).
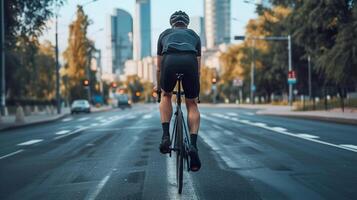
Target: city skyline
(160,12)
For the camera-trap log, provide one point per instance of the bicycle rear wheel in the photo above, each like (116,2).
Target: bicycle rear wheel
(179,152)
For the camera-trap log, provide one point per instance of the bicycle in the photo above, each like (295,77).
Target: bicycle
(179,136)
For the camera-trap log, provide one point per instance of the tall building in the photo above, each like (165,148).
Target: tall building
(120,40)
(198,25)
(217,22)
(142,29)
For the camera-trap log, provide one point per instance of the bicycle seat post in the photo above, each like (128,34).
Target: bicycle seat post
(178,94)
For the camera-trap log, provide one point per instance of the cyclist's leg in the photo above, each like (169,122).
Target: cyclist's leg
(167,83)
(193,115)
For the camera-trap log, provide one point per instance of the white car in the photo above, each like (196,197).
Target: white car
(80,105)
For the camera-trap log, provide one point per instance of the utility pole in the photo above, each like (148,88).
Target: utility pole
(58,97)
(290,68)
(2,59)
(252,73)
(309,71)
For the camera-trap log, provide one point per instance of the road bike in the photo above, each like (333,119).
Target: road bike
(180,138)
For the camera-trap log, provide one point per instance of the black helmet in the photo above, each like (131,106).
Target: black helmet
(179,17)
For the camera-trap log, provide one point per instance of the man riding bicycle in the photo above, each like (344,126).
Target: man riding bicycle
(179,51)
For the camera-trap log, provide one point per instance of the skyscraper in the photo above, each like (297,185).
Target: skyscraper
(142,29)
(198,25)
(120,40)
(217,22)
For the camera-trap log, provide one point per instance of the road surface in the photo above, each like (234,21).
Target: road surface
(114,155)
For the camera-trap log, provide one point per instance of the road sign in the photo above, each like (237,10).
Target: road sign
(291,77)
(237,82)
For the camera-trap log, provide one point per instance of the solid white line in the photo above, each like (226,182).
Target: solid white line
(188,191)
(11,154)
(218,115)
(62,132)
(70,133)
(248,113)
(350,146)
(30,142)
(99,187)
(83,119)
(279,129)
(67,119)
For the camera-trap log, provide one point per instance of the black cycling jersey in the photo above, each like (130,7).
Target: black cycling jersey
(177,40)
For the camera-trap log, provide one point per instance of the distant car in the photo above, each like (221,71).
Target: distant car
(123,101)
(80,105)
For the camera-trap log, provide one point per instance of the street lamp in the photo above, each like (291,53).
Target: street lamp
(275,38)
(2,60)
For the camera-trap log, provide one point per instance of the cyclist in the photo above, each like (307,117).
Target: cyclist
(179,51)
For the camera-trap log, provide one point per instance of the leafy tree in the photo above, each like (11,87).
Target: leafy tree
(77,57)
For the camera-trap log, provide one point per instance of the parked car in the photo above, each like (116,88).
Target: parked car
(80,105)
(123,101)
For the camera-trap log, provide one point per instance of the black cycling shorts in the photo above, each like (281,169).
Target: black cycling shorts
(185,63)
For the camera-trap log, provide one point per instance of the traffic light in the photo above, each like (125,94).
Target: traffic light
(85,82)
(214,80)
(138,94)
(113,85)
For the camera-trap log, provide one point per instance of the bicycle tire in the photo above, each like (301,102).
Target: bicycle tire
(180,152)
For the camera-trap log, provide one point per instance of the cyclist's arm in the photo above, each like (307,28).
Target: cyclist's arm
(199,66)
(158,69)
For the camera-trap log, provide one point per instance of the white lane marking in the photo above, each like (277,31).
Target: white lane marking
(99,187)
(67,119)
(228,132)
(70,133)
(130,117)
(259,124)
(232,114)
(279,128)
(95,124)
(296,135)
(118,129)
(249,113)
(147,116)
(304,135)
(350,146)
(62,132)
(30,142)
(218,115)
(83,119)
(11,154)
(203,115)
(189,192)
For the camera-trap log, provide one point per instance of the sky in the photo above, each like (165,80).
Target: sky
(100,10)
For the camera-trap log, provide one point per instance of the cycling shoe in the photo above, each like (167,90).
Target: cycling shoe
(165,145)
(195,163)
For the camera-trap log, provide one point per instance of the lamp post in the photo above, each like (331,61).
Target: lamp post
(275,38)
(2,59)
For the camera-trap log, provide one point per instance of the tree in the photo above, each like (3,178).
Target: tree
(27,18)
(78,56)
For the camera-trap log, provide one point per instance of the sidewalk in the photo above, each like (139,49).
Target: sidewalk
(334,115)
(8,122)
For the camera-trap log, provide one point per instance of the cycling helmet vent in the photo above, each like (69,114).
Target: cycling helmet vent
(179,17)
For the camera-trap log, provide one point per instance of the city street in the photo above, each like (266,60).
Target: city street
(115,155)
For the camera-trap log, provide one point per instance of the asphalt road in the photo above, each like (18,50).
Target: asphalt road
(114,155)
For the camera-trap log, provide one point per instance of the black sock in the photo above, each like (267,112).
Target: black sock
(193,140)
(166,129)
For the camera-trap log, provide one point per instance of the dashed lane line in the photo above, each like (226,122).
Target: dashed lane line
(308,135)
(232,114)
(71,133)
(67,119)
(99,188)
(285,132)
(11,154)
(30,142)
(83,119)
(147,116)
(62,132)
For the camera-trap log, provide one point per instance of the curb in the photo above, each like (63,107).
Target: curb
(16,126)
(318,118)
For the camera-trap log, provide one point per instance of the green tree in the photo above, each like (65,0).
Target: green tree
(77,57)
